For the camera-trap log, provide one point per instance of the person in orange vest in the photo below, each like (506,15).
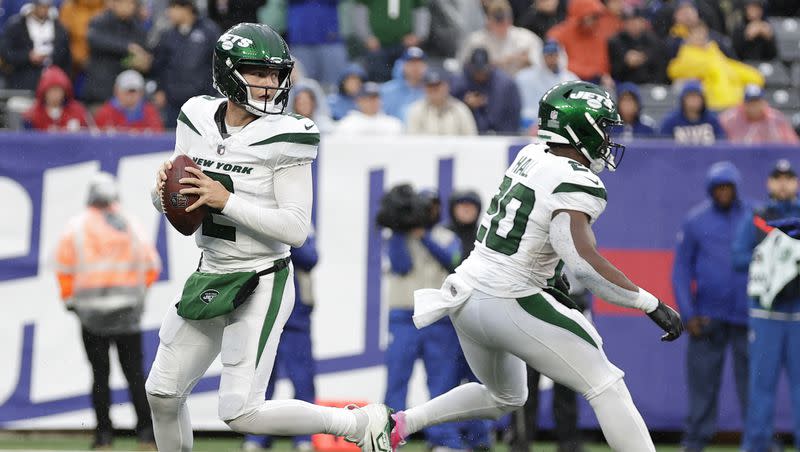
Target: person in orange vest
(104,268)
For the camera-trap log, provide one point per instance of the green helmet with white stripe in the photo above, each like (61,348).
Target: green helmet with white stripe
(580,114)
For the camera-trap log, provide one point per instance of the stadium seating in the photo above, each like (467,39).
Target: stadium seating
(657,100)
(775,72)
(787,37)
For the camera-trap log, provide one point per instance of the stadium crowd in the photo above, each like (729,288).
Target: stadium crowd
(696,71)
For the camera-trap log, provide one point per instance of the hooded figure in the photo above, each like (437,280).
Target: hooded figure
(343,101)
(307,99)
(584,40)
(716,309)
(55,107)
(465,213)
(629,103)
(692,122)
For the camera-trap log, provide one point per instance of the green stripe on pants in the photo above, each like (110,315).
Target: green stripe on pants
(539,307)
(278,285)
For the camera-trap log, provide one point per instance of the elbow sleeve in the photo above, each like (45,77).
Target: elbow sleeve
(564,246)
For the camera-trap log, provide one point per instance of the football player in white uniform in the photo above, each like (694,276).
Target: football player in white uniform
(500,301)
(256,182)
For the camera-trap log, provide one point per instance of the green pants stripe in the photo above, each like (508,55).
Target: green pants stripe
(278,286)
(539,307)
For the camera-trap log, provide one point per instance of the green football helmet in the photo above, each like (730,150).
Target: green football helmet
(253,45)
(580,114)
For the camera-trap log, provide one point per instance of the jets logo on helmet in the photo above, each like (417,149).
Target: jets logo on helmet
(580,114)
(252,45)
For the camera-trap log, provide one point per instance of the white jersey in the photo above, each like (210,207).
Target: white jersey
(513,257)
(244,163)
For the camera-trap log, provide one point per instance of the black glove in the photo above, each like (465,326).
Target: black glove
(669,321)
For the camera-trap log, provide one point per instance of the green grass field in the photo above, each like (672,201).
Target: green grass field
(79,442)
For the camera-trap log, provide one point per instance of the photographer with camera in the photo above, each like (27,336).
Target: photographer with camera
(421,253)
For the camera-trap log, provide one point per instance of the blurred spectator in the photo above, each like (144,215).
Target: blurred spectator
(305,101)
(755,122)
(313,35)
(685,17)
(451,22)
(398,93)
(692,122)
(182,58)
(369,119)
(464,207)
(75,16)
(611,19)
(490,94)
(629,103)
(55,107)
(439,113)
(585,42)
(774,314)
(542,16)
(510,48)
(665,16)
(104,268)
(754,38)
(31,41)
(128,110)
(344,101)
(116,42)
(636,53)
(783,8)
(712,298)
(386,29)
(723,78)
(227,13)
(295,358)
(534,81)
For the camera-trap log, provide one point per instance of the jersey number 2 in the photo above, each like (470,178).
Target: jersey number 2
(509,244)
(211,229)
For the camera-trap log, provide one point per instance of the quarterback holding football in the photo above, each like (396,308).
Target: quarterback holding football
(501,301)
(254,178)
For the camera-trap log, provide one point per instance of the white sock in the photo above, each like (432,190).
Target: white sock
(172,426)
(468,401)
(295,417)
(620,421)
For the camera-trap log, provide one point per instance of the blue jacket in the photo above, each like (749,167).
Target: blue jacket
(503,108)
(400,262)
(340,103)
(312,22)
(748,236)
(181,62)
(397,95)
(677,126)
(304,259)
(642,126)
(703,255)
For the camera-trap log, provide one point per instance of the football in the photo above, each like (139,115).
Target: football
(175,203)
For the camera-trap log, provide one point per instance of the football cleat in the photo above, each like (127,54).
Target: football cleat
(379,428)
(399,431)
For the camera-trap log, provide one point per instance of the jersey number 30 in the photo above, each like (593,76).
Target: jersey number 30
(509,244)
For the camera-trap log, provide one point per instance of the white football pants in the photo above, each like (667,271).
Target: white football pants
(500,335)
(246,341)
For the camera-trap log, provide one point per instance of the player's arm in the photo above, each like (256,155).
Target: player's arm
(573,240)
(290,223)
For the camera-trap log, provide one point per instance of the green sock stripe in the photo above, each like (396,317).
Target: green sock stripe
(537,306)
(278,286)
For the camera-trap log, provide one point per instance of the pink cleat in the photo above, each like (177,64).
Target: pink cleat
(399,430)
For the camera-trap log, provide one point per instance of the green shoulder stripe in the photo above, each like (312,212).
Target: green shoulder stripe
(297,138)
(185,119)
(567,187)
